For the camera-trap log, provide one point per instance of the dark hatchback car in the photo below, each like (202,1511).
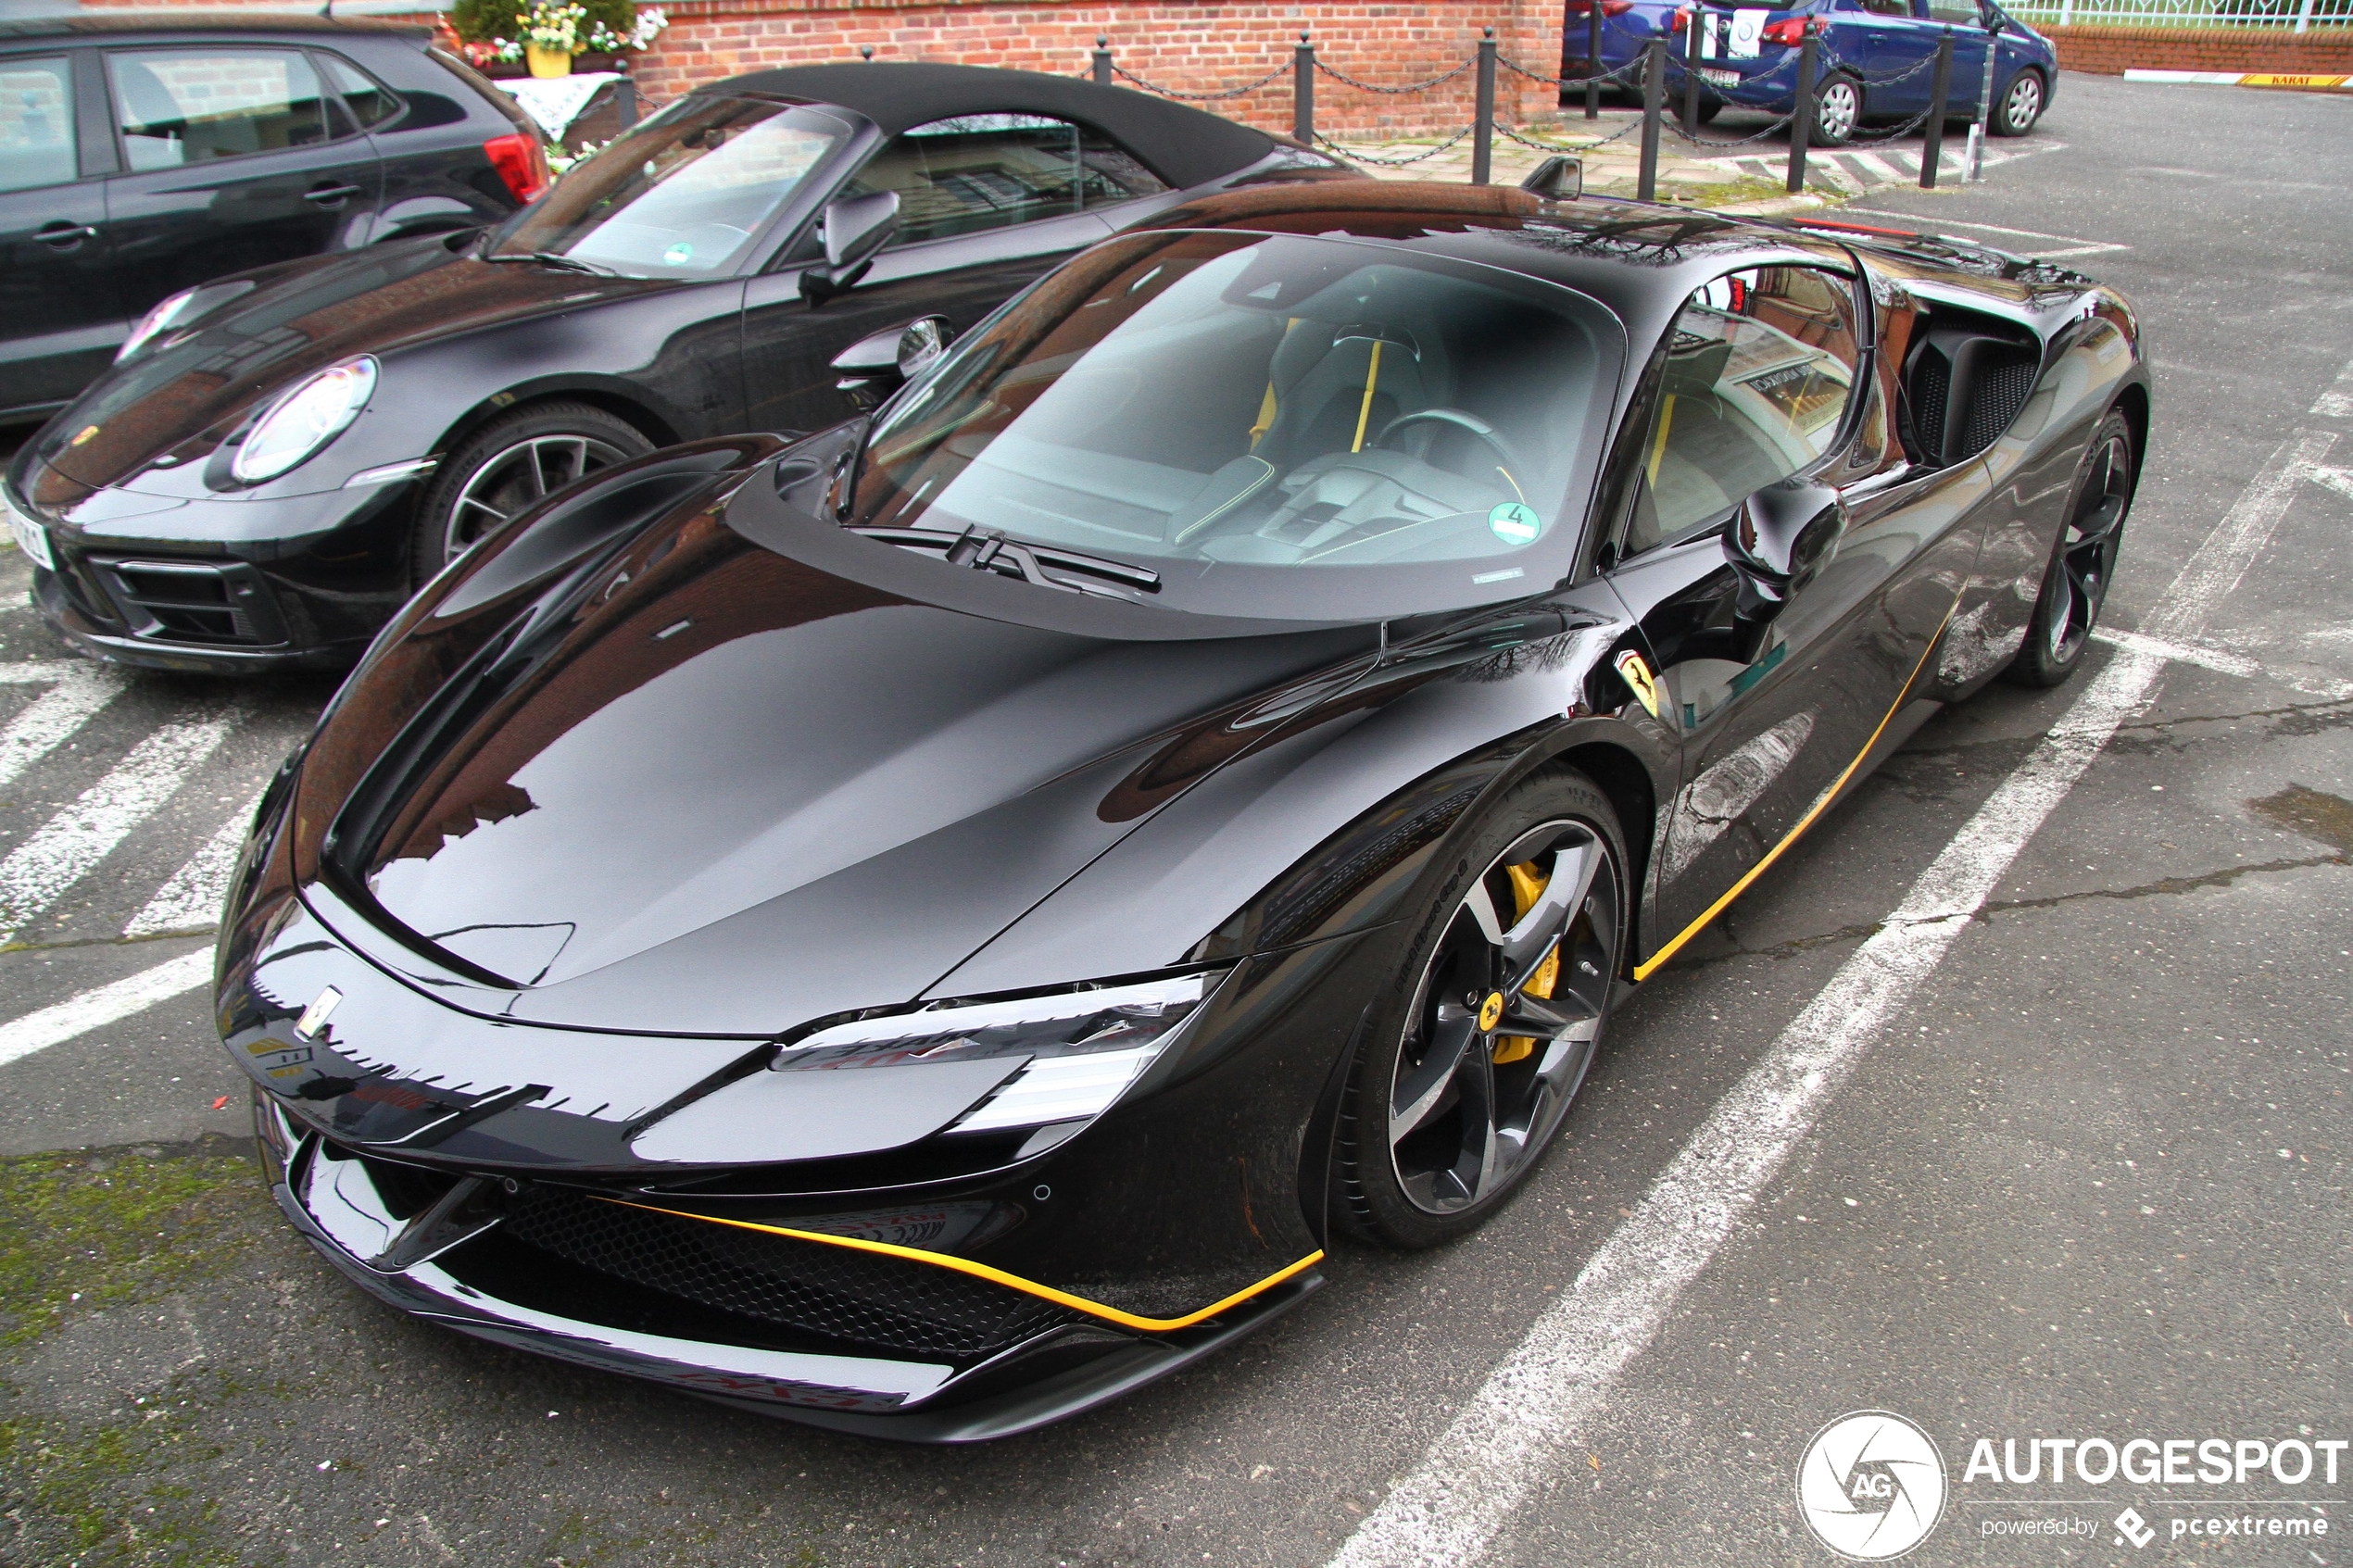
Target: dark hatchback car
(265,482)
(142,156)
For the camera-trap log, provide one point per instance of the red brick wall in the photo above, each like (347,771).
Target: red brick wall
(2108,51)
(1190,45)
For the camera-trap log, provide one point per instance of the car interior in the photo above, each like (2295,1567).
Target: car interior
(182,109)
(36,124)
(993,171)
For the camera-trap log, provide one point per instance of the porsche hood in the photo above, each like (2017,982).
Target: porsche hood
(701,786)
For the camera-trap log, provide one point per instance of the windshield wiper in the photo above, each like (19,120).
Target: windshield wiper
(550,259)
(1046,565)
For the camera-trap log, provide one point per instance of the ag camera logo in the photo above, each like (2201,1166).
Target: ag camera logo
(1871,1486)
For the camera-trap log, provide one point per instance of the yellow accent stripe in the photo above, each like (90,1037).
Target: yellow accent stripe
(1364,409)
(998,1276)
(1267,409)
(1658,444)
(1645,969)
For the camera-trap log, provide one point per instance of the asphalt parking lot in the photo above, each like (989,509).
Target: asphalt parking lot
(2080,1171)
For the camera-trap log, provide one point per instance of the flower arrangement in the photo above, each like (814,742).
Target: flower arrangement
(498,31)
(553,25)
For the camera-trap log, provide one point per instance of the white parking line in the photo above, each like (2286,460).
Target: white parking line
(2337,402)
(191,898)
(51,719)
(66,846)
(1553,1385)
(94,1009)
(2075,245)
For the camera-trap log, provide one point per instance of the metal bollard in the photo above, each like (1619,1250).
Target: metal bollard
(1801,119)
(1103,61)
(1592,60)
(625,101)
(1932,146)
(1303,92)
(1654,92)
(1483,131)
(1691,69)
(1976,170)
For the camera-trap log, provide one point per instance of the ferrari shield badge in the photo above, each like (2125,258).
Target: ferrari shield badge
(1637,675)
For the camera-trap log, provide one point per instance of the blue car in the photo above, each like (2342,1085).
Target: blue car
(1875,63)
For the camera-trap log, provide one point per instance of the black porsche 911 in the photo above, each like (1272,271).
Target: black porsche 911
(926,927)
(284,456)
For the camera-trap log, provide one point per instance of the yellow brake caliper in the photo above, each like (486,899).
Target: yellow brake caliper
(1527,886)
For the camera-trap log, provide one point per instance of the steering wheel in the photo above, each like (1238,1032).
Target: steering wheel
(1471,423)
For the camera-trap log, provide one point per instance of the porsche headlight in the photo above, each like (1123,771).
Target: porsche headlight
(304,418)
(1084,1048)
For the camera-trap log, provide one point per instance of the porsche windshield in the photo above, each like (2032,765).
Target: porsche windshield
(1192,401)
(681,196)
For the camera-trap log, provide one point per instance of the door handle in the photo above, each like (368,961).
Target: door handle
(331,196)
(63,235)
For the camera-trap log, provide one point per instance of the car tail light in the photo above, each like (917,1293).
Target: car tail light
(1682,19)
(520,162)
(1609,7)
(1789,32)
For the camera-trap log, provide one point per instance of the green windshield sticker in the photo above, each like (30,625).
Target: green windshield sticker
(678,254)
(1515,523)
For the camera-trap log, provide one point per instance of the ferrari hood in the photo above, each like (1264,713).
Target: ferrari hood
(725,791)
(193,391)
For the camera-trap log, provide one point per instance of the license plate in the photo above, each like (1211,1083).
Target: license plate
(1720,77)
(31,537)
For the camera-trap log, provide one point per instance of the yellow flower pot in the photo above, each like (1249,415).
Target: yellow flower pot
(547,62)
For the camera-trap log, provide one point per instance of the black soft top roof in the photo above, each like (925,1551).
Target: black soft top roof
(1182,146)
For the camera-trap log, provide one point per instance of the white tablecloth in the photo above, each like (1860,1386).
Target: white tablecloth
(554,101)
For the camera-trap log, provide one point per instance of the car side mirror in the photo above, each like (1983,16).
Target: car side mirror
(1780,537)
(876,366)
(856,228)
(1557,178)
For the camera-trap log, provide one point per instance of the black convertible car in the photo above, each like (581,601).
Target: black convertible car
(925,927)
(289,453)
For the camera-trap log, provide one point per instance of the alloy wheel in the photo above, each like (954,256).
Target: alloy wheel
(2023,103)
(1505,1018)
(1836,111)
(515,477)
(2087,554)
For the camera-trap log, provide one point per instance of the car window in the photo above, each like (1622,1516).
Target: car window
(180,106)
(1759,364)
(682,195)
(1958,13)
(36,123)
(370,101)
(993,171)
(1886,7)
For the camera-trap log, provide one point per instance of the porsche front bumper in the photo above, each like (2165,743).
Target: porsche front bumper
(337,1199)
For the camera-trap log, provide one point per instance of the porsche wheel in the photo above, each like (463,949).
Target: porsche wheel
(1838,109)
(2082,561)
(509,464)
(1492,1022)
(2021,106)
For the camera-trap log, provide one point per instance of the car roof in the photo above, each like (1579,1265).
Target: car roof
(1183,146)
(1642,259)
(176,24)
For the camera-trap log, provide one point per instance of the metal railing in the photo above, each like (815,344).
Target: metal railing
(2293,16)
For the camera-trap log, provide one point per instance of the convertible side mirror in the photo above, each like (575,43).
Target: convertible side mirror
(855,229)
(1557,178)
(1779,539)
(874,366)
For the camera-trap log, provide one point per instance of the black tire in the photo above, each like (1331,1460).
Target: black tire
(2083,562)
(507,465)
(1709,108)
(1838,111)
(1425,1186)
(2021,104)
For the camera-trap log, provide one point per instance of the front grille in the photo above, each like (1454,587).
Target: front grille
(873,1299)
(191,601)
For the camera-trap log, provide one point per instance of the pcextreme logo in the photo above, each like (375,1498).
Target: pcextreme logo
(1871,1486)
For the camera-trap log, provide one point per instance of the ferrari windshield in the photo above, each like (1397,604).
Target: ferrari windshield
(681,196)
(1256,407)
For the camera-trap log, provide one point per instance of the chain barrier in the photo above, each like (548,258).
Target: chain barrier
(1832,62)
(1249,87)
(1417,87)
(1626,73)
(1888,135)
(1678,132)
(1395,162)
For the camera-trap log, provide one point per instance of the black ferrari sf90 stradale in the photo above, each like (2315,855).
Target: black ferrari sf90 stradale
(926,927)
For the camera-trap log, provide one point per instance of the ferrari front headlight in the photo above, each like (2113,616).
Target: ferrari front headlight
(304,418)
(1084,1046)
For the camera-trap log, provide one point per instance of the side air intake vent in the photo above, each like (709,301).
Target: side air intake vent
(1964,385)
